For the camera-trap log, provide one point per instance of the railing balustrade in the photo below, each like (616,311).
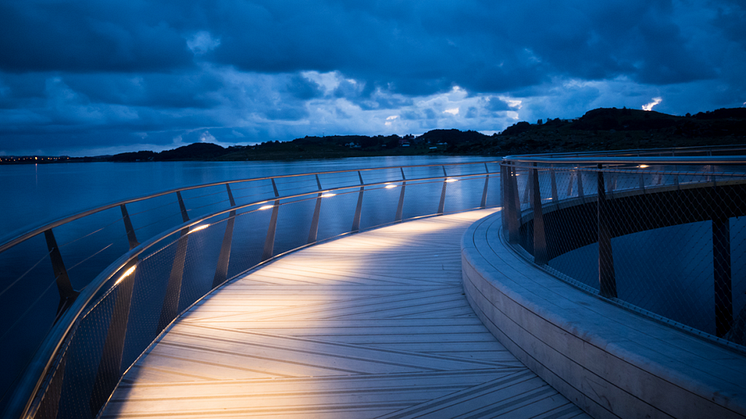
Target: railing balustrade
(83,297)
(661,233)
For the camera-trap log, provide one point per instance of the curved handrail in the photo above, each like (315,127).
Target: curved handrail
(651,196)
(40,374)
(721,160)
(644,152)
(20,237)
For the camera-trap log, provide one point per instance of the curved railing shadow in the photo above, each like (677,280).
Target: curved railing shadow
(600,210)
(84,296)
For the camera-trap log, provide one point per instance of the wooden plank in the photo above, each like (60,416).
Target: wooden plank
(371,325)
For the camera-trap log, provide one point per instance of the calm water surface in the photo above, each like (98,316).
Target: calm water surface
(36,194)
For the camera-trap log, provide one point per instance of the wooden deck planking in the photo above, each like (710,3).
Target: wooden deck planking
(371,325)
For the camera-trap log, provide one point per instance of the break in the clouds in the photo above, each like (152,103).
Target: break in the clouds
(92,77)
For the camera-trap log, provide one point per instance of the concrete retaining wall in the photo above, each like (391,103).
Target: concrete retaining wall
(610,361)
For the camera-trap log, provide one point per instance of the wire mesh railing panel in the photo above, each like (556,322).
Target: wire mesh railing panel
(676,283)
(337,213)
(294,223)
(464,194)
(379,205)
(665,238)
(148,284)
(251,227)
(421,198)
(200,263)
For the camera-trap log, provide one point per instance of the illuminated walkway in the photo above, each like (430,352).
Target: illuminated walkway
(374,325)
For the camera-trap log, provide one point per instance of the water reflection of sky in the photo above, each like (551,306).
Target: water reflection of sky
(36,193)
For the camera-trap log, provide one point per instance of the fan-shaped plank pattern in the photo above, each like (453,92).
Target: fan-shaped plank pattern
(374,325)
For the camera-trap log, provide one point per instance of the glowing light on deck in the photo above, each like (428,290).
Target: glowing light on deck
(390,186)
(126,273)
(265,207)
(328,195)
(643,166)
(449,180)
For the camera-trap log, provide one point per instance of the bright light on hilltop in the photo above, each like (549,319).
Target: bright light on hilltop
(649,106)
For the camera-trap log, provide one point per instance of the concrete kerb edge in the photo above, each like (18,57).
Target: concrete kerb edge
(484,288)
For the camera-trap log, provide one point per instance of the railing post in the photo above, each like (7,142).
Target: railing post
(269,243)
(581,193)
(721,263)
(553,180)
(529,186)
(483,204)
(504,197)
(170,307)
(540,242)
(441,205)
(609,183)
(64,286)
(359,208)
(314,230)
(515,212)
(131,237)
(184,215)
(221,271)
(606,276)
(110,364)
(400,205)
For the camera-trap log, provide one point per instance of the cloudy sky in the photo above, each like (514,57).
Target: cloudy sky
(105,76)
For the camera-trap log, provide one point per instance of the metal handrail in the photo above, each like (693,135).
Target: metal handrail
(720,160)
(28,393)
(21,237)
(643,152)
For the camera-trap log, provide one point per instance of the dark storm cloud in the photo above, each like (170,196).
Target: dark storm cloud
(87,36)
(416,47)
(155,70)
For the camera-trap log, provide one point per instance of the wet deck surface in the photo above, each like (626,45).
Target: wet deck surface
(374,325)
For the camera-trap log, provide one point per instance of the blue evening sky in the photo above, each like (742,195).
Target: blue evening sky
(108,76)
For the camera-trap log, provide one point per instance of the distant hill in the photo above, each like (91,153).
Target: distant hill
(615,129)
(598,129)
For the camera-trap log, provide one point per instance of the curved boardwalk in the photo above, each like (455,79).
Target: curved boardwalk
(374,325)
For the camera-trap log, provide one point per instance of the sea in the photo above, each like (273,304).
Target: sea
(34,195)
